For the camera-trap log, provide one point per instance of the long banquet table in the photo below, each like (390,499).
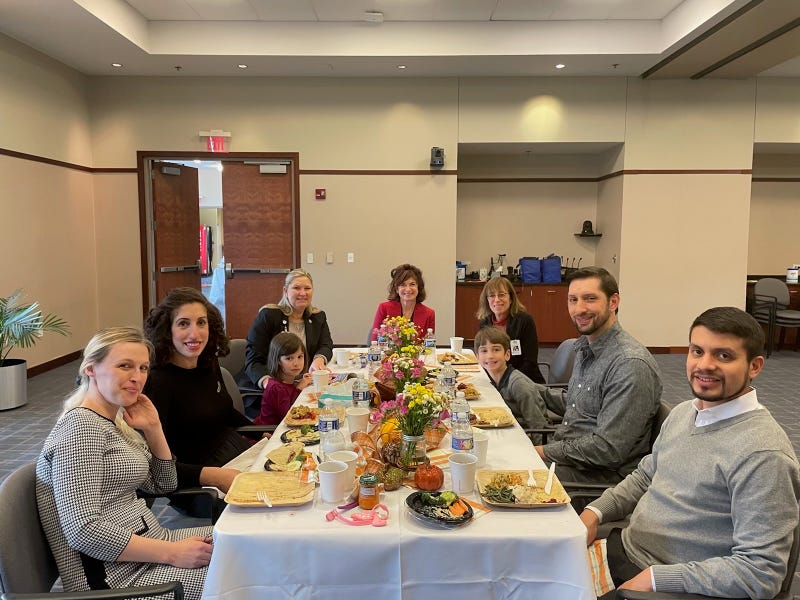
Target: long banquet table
(293,552)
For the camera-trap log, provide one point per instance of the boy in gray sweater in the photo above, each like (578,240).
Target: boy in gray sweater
(493,349)
(714,507)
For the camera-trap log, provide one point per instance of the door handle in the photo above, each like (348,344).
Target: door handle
(179,268)
(230,272)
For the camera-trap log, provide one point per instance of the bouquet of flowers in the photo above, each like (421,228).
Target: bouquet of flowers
(400,369)
(401,334)
(415,409)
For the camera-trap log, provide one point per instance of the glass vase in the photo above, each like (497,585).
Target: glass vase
(412,451)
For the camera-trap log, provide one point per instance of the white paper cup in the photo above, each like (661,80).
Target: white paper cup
(320,379)
(481,441)
(332,480)
(462,472)
(456,344)
(342,356)
(349,458)
(357,419)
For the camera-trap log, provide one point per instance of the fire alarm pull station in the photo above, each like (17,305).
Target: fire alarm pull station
(319,194)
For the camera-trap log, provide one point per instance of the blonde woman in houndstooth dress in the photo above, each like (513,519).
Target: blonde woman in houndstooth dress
(108,443)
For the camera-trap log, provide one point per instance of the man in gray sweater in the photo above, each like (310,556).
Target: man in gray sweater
(714,507)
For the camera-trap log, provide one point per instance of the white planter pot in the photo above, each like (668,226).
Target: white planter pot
(13,383)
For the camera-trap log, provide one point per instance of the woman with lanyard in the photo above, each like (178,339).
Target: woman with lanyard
(293,313)
(499,306)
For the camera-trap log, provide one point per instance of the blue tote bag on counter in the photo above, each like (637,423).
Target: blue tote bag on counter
(530,269)
(551,269)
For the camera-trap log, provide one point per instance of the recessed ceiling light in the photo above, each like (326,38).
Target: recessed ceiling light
(242,66)
(560,66)
(116,65)
(401,66)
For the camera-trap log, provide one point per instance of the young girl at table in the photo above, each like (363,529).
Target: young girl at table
(286,365)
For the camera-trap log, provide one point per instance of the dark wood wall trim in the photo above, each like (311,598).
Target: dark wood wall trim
(668,349)
(776,179)
(55,363)
(374,172)
(607,176)
(66,165)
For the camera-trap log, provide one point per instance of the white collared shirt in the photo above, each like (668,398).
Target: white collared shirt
(738,406)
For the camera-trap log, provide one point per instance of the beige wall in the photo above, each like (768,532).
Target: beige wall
(651,222)
(774,220)
(684,253)
(524,219)
(48,249)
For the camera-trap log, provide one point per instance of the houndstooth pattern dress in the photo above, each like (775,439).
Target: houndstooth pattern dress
(86,481)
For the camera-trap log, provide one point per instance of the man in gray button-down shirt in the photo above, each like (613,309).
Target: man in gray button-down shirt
(613,394)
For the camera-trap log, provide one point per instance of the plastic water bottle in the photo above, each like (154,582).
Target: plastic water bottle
(374,355)
(461,430)
(449,376)
(430,348)
(383,343)
(330,438)
(361,395)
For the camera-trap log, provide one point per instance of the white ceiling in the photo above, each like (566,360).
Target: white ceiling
(429,37)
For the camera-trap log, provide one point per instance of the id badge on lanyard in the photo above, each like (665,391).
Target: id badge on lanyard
(516,348)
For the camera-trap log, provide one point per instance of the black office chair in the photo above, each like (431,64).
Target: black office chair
(559,369)
(785,592)
(234,362)
(27,567)
(770,306)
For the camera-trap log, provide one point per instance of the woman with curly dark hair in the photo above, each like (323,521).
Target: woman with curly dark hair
(186,386)
(406,297)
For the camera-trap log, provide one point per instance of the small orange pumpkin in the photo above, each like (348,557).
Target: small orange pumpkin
(428,477)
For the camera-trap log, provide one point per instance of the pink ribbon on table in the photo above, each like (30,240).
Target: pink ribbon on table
(376,517)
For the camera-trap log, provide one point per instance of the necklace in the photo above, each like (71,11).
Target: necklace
(297,327)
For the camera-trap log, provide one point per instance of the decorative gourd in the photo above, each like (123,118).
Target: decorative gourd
(390,452)
(428,477)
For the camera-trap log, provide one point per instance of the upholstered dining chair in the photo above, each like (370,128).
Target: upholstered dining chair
(559,369)
(770,306)
(27,568)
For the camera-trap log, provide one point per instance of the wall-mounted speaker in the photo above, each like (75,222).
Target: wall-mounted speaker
(437,157)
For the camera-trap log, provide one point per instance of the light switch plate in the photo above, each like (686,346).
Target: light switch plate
(329,258)
(310,258)
(351,257)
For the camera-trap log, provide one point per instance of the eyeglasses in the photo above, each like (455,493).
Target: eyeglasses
(498,296)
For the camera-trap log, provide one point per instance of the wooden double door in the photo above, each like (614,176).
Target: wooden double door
(261,233)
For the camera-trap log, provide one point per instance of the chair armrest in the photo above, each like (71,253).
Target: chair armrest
(544,432)
(556,386)
(633,595)
(255,431)
(174,588)
(190,491)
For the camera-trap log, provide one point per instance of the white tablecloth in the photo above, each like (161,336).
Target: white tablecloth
(295,553)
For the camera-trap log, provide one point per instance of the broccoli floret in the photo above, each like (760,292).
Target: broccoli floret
(443,500)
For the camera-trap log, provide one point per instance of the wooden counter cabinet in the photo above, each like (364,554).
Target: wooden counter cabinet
(547,303)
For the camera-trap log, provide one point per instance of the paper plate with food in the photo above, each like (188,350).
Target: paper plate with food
(441,509)
(491,416)
(301,415)
(289,457)
(308,434)
(456,358)
(511,490)
(279,489)
(470,391)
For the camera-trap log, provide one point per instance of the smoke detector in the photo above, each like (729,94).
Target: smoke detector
(373,16)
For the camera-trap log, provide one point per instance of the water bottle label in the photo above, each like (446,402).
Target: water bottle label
(376,357)
(462,444)
(449,381)
(430,343)
(327,425)
(359,397)
(362,360)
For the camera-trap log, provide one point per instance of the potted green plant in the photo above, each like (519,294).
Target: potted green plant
(21,326)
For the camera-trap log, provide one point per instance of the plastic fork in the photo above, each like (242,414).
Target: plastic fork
(263,497)
(531,480)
